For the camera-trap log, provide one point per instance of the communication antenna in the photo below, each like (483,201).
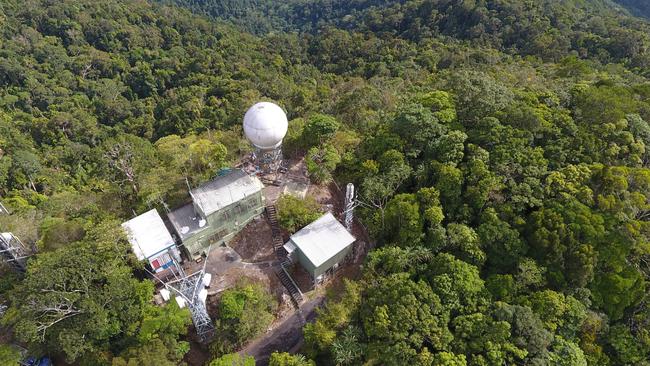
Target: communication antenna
(13,252)
(191,291)
(350,204)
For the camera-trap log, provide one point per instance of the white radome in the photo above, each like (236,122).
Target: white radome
(265,125)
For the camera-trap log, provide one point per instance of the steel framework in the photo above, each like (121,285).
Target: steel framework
(13,252)
(350,204)
(188,288)
(268,161)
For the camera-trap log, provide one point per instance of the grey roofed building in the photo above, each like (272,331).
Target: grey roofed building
(321,245)
(218,211)
(224,191)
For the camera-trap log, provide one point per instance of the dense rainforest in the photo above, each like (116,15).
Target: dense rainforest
(637,7)
(501,149)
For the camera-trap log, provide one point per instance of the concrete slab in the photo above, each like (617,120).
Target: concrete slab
(296,189)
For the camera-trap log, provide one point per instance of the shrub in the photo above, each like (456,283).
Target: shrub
(295,213)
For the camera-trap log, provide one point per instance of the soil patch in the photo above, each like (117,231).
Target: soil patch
(254,242)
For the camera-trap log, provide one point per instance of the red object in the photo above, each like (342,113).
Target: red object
(155,264)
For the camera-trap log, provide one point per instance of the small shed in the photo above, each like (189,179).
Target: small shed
(219,209)
(151,240)
(320,246)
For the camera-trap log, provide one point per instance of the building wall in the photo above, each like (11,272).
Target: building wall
(224,224)
(164,260)
(317,271)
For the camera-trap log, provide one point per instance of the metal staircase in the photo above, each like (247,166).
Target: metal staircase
(281,253)
(288,282)
(278,242)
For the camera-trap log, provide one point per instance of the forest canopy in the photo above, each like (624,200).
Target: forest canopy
(501,149)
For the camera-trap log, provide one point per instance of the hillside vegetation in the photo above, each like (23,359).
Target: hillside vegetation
(637,7)
(501,148)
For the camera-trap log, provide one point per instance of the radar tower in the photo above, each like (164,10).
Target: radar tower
(265,125)
(189,288)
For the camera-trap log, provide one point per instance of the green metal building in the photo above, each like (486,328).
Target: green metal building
(218,211)
(320,246)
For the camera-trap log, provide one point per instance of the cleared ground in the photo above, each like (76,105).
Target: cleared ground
(250,255)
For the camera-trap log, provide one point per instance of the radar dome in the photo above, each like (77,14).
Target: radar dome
(265,125)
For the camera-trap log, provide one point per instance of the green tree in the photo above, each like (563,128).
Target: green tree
(458,284)
(417,126)
(9,355)
(321,162)
(403,223)
(383,179)
(157,338)
(233,359)
(560,313)
(286,359)
(347,349)
(463,242)
(26,165)
(563,236)
(485,340)
(527,331)
(245,311)
(295,213)
(400,316)
(566,353)
(502,244)
(629,350)
(449,359)
(478,95)
(207,157)
(319,129)
(449,148)
(336,315)
(91,297)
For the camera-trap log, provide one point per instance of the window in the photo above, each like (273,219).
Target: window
(218,236)
(251,204)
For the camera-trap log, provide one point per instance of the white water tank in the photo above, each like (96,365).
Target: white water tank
(181,302)
(265,125)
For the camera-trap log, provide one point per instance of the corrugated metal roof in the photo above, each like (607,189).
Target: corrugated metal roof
(147,234)
(186,221)
(225,190)
(322,239)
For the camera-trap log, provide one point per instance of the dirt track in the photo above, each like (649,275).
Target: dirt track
(287,336)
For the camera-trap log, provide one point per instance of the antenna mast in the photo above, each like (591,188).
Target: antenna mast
(189,287)
(350,204)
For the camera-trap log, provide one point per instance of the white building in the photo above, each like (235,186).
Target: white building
(151,240)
